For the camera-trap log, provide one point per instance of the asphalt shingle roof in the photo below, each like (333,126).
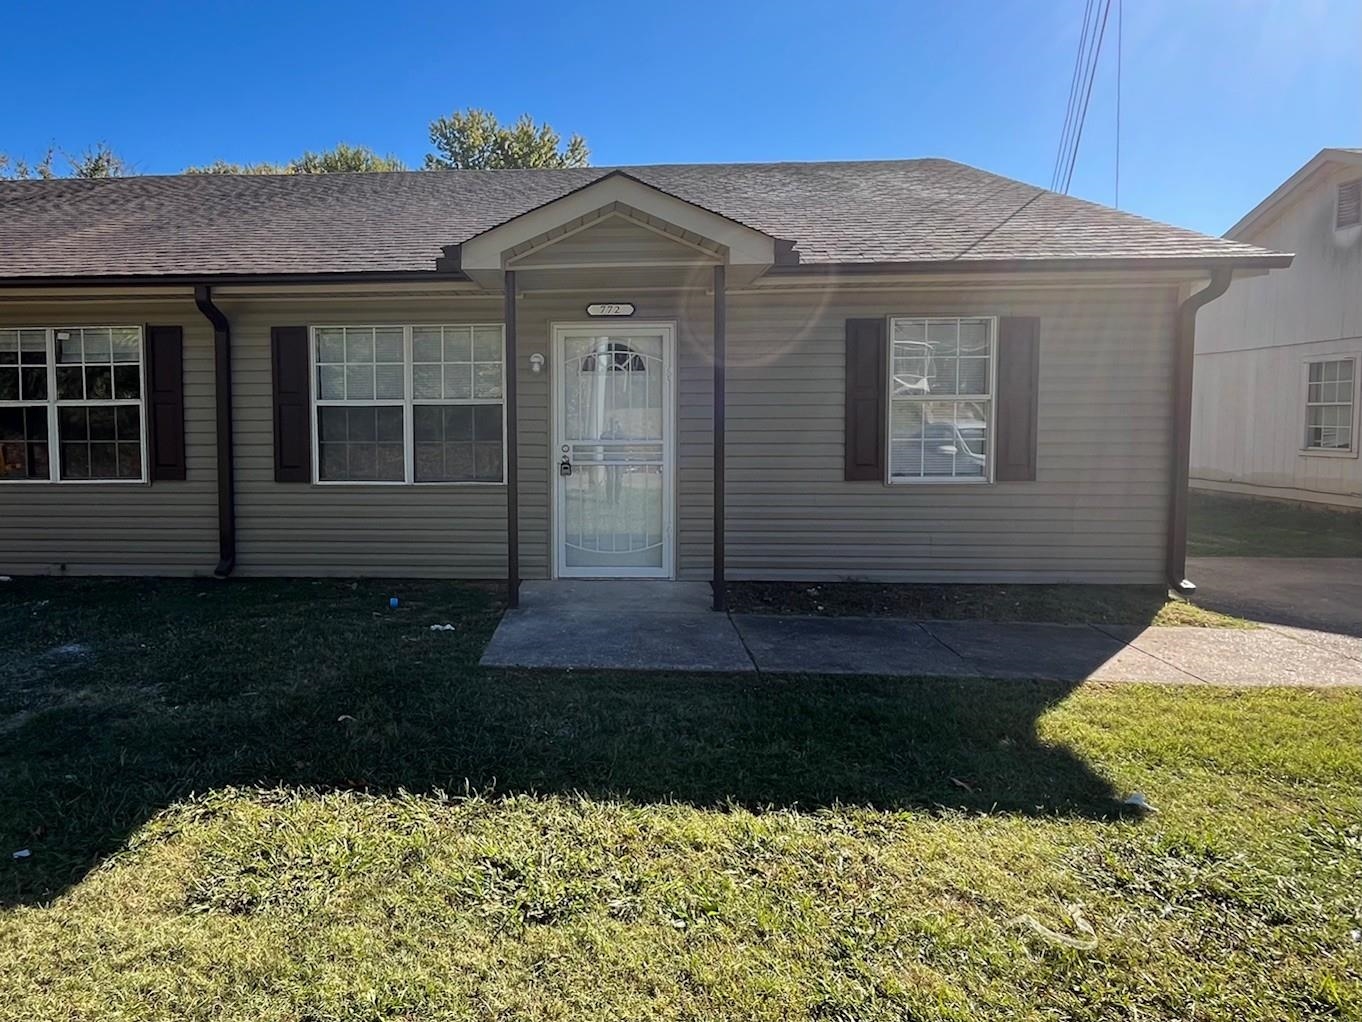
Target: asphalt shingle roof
(865,212)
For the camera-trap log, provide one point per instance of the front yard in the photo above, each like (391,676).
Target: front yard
(287,801)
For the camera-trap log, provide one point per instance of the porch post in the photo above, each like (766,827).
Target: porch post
(720,358)
(512,439)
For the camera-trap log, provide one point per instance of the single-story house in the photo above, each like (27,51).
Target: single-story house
(900,370)
(1277,408)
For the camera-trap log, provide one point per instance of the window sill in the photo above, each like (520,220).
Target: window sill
(130,483)
(939,482)
(384,484)
(1322,452)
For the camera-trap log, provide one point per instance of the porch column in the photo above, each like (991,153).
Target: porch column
(512,459)
(720,358)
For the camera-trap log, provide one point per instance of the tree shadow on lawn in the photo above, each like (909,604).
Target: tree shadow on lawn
(118,699)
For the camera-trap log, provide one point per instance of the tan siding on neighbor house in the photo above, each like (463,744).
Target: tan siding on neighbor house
(164,528)
(1248,427)
(1096,512)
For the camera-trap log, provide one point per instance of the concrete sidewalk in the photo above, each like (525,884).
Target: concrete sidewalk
(669,627)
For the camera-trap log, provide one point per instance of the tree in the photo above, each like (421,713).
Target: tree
(97,161)
(475,140)
(342,159)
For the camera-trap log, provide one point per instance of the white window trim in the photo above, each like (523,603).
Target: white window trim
(407,405)
(53,404)
(1330,452)
(991,400)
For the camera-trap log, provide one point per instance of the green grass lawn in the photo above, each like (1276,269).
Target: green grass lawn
(1227,526)
(285,801)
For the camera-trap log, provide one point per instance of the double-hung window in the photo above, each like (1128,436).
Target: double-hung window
(71,404)
(409,404)
(941,399)
(1330,391)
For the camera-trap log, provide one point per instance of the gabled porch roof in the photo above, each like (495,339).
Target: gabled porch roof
(653,229)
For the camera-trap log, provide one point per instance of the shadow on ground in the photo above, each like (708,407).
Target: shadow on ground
(1321,593)
(119,698)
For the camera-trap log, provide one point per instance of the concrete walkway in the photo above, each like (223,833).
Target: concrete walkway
(668,626)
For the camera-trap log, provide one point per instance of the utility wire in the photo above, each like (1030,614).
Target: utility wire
(1120,49)
(1071,105)
(1083,112)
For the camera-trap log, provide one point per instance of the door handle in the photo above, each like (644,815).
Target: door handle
(565,466)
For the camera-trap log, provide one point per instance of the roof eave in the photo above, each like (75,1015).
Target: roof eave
(1268,207)
(188,279)
(1266,261)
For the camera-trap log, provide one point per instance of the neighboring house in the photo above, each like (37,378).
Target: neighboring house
(926,372)
(1279,358)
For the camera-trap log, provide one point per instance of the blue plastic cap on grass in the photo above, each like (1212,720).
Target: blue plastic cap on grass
(392,602)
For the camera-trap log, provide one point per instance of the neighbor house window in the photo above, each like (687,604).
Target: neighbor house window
(1329,394)
(940,399)
(71,404)
(409,404)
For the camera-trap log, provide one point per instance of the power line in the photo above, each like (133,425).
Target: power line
(1087,96)
(1071,105)
(1120,49)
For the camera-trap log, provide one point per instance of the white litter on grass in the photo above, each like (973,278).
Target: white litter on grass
(1137,801)
(72,649)
(442,628)
(22,853)
(1087,943)
(5,578)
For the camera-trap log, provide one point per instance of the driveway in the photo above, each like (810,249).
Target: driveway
(1321,593)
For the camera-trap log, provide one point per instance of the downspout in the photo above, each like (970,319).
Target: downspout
(222,377)
(1184,354)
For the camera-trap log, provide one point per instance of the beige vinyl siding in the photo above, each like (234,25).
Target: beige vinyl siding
(456,531)
(614,240)
(1096,512)
(162,528)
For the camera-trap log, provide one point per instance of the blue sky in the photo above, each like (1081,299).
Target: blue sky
(1222,99)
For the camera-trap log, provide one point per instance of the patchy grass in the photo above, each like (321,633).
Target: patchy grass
(285,801)
(1221,525)
(1064,604)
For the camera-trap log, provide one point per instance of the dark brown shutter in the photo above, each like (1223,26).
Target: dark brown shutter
(165,402)
(292,418)
(865,385)
(1018,398)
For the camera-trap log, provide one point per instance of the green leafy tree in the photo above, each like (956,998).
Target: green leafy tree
(342,159)
(95,162)
(475,140)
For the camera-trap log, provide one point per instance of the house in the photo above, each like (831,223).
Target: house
(1279,358)
(903,370)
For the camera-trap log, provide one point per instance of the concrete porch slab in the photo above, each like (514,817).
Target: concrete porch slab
(849,645)
(1051,651)
(626,625)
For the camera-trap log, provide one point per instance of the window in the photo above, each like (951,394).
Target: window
(71,405)
(1329,389)
(940,399)
(1349,213)
(421,404)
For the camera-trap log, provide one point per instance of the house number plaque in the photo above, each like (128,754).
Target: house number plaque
(610,309)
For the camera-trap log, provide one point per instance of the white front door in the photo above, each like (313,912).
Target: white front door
(612,453)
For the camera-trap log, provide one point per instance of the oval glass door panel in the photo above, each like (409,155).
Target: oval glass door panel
(613,416)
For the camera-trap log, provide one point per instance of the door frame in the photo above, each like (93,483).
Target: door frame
(558,331)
